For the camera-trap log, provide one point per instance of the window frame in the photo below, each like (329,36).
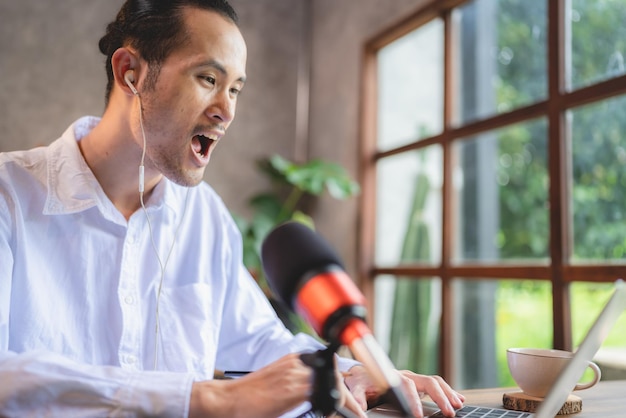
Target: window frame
(559,271)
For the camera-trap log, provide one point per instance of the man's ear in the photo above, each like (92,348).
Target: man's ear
(125,66)
(129,78)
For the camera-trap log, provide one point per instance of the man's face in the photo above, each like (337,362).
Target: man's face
(193,100)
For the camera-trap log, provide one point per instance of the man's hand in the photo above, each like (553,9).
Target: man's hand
(268,392)
(363,390)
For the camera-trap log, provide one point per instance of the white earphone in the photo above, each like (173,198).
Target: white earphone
(129,77)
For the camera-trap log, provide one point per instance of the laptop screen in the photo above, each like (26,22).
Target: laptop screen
(585,353)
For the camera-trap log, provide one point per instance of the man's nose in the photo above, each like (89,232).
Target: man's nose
(222,107)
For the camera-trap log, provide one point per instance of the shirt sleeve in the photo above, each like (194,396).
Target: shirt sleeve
(43,381)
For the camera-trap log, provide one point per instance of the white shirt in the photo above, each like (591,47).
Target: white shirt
(78,285)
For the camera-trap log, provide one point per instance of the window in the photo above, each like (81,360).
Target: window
(494,184)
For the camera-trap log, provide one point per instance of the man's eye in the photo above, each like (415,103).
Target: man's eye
(235,92)
(209,79)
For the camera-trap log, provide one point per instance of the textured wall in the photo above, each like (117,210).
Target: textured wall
(340,30)
(51,73)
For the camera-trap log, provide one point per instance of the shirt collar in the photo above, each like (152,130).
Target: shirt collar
(72,186)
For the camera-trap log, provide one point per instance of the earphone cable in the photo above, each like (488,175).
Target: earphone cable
(162,265)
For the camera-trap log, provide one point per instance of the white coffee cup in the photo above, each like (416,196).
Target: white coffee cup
(536,369)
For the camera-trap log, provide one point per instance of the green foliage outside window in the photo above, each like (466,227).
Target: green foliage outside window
(597,170)
(598,134)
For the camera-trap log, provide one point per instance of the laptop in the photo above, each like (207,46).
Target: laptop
(565,382)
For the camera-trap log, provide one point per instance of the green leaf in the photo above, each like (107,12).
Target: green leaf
(290,181)
(315,176)
(303,218)
(266,204)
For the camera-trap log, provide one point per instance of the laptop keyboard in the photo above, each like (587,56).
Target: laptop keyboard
(465,412)
(478,412)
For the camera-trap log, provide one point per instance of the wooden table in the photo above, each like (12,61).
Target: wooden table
(607,399)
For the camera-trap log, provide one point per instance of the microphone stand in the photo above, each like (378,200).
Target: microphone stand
(325,393)
(325,396)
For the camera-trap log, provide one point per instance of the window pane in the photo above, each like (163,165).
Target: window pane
(501,190)
(599,180)
(501,47)
(410,87)
(411,309)
(491,316)
(598,41)
(408,211)
(588,300)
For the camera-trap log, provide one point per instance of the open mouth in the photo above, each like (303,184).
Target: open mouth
(201,145)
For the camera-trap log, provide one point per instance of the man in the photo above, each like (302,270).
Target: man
(122,288)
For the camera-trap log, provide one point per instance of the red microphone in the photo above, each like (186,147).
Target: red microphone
(302,268)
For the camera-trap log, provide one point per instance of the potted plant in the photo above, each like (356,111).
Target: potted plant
(293,186)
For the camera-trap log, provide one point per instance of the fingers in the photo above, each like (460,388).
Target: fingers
(362,388)
(278,387)
(357,389)
(288,371)
(350,403)
(439,391)
(413,397)
(346,404)
(413,385)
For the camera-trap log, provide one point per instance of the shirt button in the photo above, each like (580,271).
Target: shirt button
(131,239)
(131,359)
(129,300)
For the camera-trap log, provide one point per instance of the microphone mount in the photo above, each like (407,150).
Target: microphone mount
(325,394)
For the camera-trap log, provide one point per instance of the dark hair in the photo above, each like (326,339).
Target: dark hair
(154,28)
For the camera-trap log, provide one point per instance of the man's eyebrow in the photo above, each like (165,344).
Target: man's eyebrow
(220,68)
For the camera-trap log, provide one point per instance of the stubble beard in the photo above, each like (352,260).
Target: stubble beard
(166,159)
(171,166)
